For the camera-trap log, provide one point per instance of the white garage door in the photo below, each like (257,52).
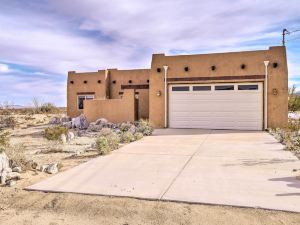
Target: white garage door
(216,106)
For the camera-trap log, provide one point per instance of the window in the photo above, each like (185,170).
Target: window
(248,87)
(201,88)
(181,88)
(224,87)
(81,98)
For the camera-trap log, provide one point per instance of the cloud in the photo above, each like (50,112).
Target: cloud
(55,36)
(3,68)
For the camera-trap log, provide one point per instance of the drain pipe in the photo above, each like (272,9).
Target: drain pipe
(166,91)
(266,95)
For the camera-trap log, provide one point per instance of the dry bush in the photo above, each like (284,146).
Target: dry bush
(4,140)
(138,136)
(16,153)
(54,133)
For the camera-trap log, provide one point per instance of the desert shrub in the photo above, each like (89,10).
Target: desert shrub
(107,143)
(293,125)
(138,136)
(48,108)
(4,140)
(144,127)
(10,122)
(127,137)
(106,132)
(16,153)
(125,126)
(293,99)
(54,133)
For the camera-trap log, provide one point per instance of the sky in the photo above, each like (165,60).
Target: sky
(41,40)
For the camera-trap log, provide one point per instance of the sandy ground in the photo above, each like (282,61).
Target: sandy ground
(37,208)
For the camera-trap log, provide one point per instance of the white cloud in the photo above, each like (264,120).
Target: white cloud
(3,68)
(60,35)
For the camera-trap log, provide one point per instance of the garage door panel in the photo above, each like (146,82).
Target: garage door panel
(234,109)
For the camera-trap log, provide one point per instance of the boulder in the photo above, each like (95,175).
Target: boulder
(93,127)
(52,168)
(11,183)
(4,167)
(55,120)
(70,136)
(66,119)
(80,122)
(101,121)
(68,124)
(43,168)
(17,169)
(63,138)
(13,175)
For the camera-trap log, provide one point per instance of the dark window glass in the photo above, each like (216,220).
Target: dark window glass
(248,87)
(181,88)
(201,88)
(224,87)
(80,102)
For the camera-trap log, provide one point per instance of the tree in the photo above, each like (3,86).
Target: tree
(293,99)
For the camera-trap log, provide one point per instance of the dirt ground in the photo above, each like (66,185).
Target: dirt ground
(18,206)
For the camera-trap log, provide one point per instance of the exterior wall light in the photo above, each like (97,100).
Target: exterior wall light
(275,65)
(147,81)
(130,81)
(186,69)
(213,68)
(158,70)
(158,93)
(114,82)
(85,81)
(243,66)
(99,81)
(71,82)
(274,91)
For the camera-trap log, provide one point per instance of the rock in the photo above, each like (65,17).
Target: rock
(101,121)
(13,175)
(12,163)
(52,168)
(94,127)
(70,136)
(66,119)
(9,170)
(63,138)
(68,125)
(4,167)
(80,122)
(34,165)
(43,168)
(11,183)
(17,169)
(55,120)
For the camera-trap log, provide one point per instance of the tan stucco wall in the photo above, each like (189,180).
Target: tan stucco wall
(114,110)
(138,76)
(107,89)
(227,64)
(79,86)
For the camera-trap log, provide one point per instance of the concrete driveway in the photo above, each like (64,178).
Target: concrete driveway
(237,168)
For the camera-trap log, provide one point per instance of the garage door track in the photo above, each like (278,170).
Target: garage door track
(238,168)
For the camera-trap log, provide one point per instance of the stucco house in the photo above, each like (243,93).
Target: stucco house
(236,90)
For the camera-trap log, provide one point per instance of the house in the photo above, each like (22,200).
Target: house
(235,90)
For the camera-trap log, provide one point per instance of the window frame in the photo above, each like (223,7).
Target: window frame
(224,85)
(86,97)
(182,86)
(202,86)
(256,89)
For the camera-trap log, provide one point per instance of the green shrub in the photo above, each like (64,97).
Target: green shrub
(293,99)
(125,126)
(144,127)
(107,143)
(4,140)
(127,137)
(54,133)
(138,136)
